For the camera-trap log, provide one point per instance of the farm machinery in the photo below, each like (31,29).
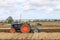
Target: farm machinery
(23,28)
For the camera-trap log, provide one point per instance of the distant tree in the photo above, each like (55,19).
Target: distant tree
(36,20)
(9,19)
(59,20)
(55,20)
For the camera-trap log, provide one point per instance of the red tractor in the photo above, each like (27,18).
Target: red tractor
(23,27)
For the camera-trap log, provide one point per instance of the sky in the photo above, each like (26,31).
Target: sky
(30,9)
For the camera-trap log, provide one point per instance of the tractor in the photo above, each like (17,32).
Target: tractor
(23,28)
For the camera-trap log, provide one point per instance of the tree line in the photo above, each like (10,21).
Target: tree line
(10,20)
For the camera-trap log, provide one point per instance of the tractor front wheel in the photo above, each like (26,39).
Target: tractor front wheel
(12,30)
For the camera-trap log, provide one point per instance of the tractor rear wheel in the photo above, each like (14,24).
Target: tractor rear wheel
(25,28)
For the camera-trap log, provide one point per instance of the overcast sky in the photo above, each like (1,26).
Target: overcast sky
(30,9)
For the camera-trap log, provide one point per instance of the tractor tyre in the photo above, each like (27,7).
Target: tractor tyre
(25,28)
(12,30)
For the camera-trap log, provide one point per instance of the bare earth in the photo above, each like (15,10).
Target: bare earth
(36,36)
(31,36)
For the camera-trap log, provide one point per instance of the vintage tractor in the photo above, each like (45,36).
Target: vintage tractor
(23,27)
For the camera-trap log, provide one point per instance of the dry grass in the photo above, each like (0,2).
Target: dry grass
(5,25)
(44,24)
(47,24)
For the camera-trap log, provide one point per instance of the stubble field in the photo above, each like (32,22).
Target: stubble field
(49,31)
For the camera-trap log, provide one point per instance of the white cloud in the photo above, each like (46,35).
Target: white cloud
(48,10)
(57,7)
(21,0)
(45,5)
(26,6)
(6,2)
(10,5)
